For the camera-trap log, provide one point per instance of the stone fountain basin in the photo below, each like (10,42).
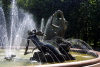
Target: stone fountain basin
(92,62)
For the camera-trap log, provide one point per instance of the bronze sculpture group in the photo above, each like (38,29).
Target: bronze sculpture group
(47,52)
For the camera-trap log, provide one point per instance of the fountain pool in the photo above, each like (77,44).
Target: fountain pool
(22,60)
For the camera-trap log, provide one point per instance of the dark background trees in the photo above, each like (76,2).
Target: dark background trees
(82,16)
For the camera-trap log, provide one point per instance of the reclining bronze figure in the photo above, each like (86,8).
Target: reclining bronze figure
(47,52)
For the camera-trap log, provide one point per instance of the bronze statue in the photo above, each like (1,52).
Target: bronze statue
(64,47)
(47,52)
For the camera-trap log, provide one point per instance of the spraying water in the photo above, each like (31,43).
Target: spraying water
(3,30)
(18,29)
(14,24)
(27,24)
(42,25)
(42,28)
(47,25)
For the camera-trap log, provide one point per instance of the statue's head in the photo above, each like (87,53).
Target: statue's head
(58,14)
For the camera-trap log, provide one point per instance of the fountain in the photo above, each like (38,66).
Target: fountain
(41,52)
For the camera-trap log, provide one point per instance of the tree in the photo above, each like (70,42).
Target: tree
(82,15)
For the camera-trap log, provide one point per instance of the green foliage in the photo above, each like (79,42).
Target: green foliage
(93,2)
(6,7)
(0,2)
(40,8)
(89,12)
